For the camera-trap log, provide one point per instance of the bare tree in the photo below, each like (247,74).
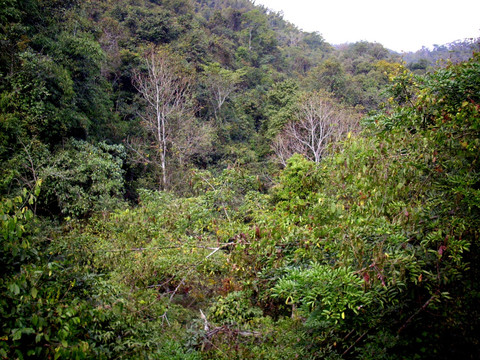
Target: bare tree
(166,92)
(319,122)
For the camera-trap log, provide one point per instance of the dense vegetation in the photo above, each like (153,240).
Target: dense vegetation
(457,51)
(201,180)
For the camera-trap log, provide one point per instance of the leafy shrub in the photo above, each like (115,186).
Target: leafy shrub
(234,309)
(300,179)
(326,292)
(82,178)
(39,316)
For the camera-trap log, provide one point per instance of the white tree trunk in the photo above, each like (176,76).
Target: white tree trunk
(165,92)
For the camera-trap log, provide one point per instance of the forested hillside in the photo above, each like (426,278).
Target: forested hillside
(199,179)
(426,59)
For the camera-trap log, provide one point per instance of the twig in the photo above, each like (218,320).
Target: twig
(167,248)
(206,327)
(174,292)
(348,335)
(139,249)
(165,318)
(424,306)
(162,284)
(228,329)
(356,342)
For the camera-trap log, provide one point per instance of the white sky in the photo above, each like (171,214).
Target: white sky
(400,25)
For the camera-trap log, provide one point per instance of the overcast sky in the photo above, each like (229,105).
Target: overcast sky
(404,25)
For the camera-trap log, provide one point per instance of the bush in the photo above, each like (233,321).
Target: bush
(82,178)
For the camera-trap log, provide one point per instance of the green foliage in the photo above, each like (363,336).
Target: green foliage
(221,85)
(36,318)
(155,27)
(16,218)
(51,86)
(330,75)
(372,253)
(83,178)
(326,292)
(429,59)
(227,192)
(35,102)
(357,74)
(300,179)
(281,107)
(54,305)
(234,309)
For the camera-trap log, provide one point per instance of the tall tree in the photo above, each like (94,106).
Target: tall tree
(166,92)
